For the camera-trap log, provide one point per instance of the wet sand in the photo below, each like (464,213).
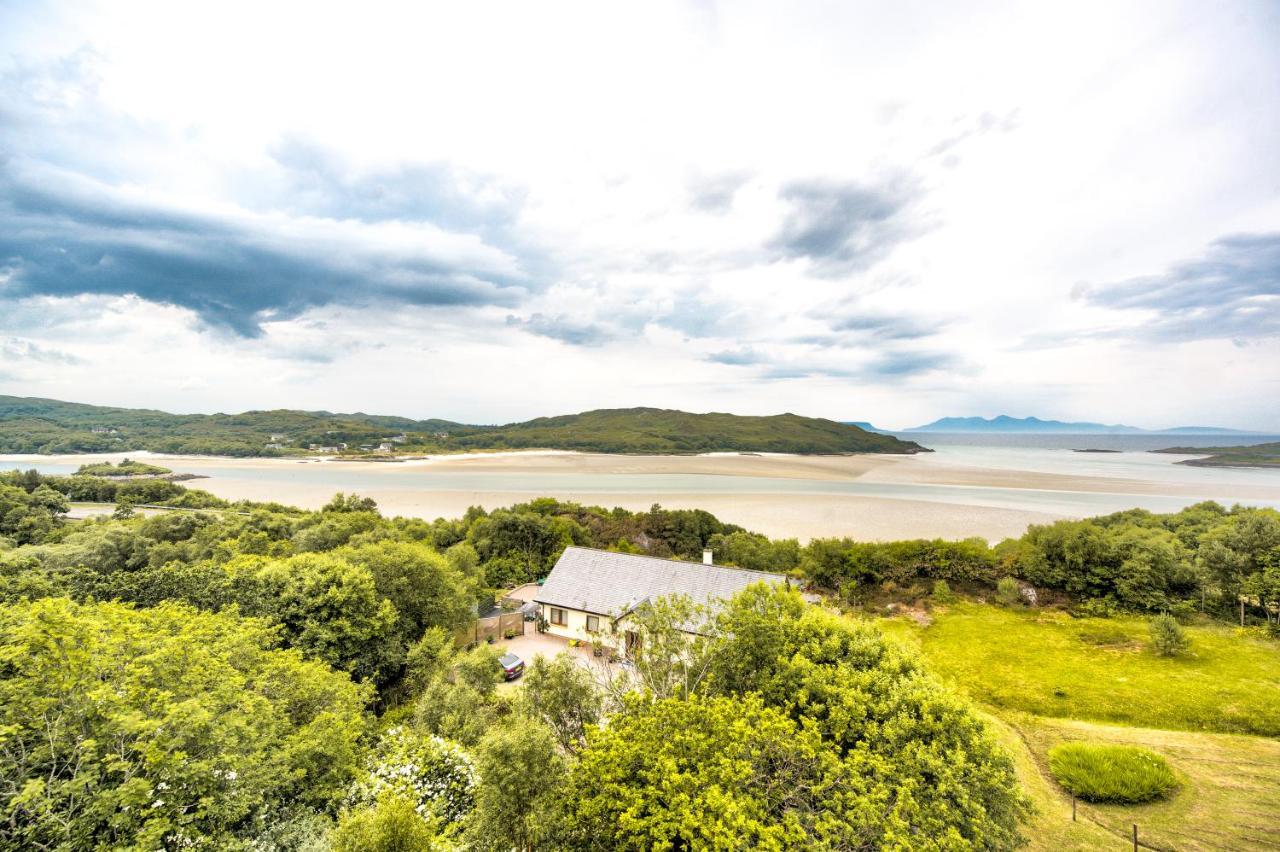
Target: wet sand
(960,498)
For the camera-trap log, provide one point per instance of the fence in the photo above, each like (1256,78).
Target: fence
(491,627)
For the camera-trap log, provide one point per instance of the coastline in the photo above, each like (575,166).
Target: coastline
(870,496)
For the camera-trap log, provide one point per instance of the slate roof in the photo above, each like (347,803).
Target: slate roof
(605,583)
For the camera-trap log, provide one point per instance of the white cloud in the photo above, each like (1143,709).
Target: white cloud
(851,210)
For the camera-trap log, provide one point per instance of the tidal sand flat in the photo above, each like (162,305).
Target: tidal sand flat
(954,493)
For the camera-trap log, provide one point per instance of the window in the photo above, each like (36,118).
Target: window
(593,624)
(558,617)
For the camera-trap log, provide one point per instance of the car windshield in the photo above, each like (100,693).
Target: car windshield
(509,660)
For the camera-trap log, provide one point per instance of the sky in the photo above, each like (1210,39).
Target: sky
(487,212)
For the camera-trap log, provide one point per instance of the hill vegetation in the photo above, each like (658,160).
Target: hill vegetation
(29,425)
(1254,455)
(257,676)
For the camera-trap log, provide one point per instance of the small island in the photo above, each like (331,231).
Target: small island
(130,469)
(1094,450)
(1253,455)
(126,467)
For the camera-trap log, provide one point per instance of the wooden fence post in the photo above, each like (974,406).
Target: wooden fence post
(1073,807)
(1135,837)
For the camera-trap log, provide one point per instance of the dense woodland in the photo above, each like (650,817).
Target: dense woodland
(48,426)
(247,676)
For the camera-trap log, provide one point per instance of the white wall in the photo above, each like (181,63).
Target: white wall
(576,626)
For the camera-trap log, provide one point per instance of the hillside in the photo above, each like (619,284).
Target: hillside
(1255,455)
(30,425)
(655,430)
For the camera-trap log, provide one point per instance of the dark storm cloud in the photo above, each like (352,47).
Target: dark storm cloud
(63,234)
(563,328)
(842,227)
(1232,291)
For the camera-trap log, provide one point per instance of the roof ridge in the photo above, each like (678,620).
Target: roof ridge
(675,561)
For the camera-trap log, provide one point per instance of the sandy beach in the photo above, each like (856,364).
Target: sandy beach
(951,494)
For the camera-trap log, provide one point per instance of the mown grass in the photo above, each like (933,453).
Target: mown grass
(1049,664)
(1100,772)
(1228,795)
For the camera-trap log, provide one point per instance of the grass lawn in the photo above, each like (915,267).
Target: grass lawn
(1049,664)
(1229,798)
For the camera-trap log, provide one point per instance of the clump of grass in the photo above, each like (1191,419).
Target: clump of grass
(1111,773)
(1007,592)
(1104,634)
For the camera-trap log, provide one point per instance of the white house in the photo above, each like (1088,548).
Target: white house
(590,593)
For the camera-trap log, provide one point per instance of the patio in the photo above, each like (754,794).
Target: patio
(533,644)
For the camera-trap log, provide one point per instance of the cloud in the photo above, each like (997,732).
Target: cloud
(63,233)
(1231,292)
(737,357)
(714,194)
(18,349)
(563,328)
(842,227)
(319,182)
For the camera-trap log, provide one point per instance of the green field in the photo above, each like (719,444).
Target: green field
(1047,678)
(1047,663)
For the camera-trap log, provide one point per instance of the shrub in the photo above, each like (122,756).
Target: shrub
(1007,591)
(942,592)
(1167,636)
(434,775)
(1111,773)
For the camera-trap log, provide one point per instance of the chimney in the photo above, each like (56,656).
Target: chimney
(706,557)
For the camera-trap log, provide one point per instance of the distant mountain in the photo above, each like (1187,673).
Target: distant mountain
(1005,423)
(865,426)
(29,425)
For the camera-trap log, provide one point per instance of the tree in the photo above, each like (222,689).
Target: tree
(429,658)
(672,655)
(424,588)
(331,610)
(920,761)
(1167,636)
(146,728)
(562,694)
(703,773)
(389,825)
(520,773)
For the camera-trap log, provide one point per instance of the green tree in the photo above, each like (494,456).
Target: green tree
(562,694)
(1167,636)
(924,763)
(140,729)
(704,773)
(331,610)
(520,774)
(389,825)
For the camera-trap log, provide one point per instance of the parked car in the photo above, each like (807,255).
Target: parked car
(512,666)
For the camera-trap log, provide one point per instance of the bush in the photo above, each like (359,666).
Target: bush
(1167,636)
(1007,592)
(942,592)
(1111,773)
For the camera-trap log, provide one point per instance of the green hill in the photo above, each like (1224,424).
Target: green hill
(657,430)
(1253,455)
(30,425)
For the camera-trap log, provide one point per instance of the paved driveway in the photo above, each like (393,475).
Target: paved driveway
(535,644)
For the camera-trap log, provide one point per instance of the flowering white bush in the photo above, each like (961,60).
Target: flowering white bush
(432,772)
